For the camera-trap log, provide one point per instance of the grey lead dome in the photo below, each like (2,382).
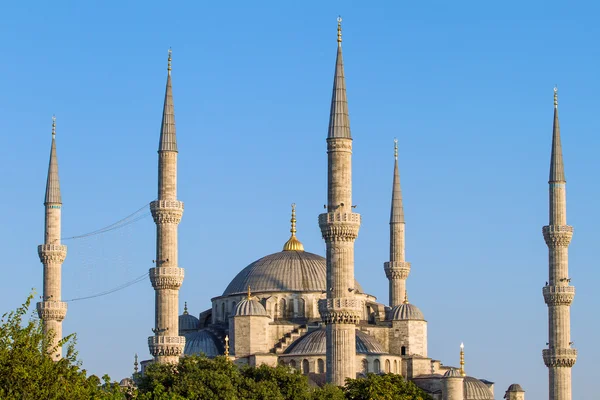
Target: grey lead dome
(249,307)
(406,311)
(315,343)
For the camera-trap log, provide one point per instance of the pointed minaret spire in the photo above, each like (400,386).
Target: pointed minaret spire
(52,183)
(339,121)
(168,139)
(557,168)
(397,269)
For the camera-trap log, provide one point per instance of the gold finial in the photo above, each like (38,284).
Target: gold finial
(53,127)
(249,292)
(462,359)
(555,96)
(226,345)
(135,364)
(293,243)
(185,311)
(339,20)
(405,296)
(395,148)
(169,67)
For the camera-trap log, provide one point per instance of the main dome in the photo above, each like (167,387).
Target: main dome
(286,271)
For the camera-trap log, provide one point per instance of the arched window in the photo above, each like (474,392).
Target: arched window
(305,366)
(395,366)
(293,363)
(282,309)
(365,366)
(403,350)
(376,367)
(223,311)
(301,308)
(387,367)
(320,366)
(281,362)
(233,308)
(275,309)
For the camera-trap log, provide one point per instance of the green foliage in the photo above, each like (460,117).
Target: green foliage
(28,372)
(383,387)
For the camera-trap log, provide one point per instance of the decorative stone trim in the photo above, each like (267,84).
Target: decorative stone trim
(565,358)
(396,269)
(52,253)
(339,144)
(166,345)
(51,310)
(557,235)
(558,295)
(166,211)
(342,310)
(166,277)
(339,226)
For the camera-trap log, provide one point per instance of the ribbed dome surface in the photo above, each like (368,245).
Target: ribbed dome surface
(188,322)
(286,271)
(406,311)
(249,307)
(452,373)
(476,390)
(314,343)
(515,387)
(202,342)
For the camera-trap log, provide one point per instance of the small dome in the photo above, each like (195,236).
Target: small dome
(126,383)
(314,343)
(476,390)
(202,342)
(515,387)
(452,373)
(406,311)
(188,322)
(249,307)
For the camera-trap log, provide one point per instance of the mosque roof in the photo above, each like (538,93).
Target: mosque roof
(188,322)
(202,342)
(515,387)
(406,311)
(314,343)
(475,389)
(249,307)
(452,373)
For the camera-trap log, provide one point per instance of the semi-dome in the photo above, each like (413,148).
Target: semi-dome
(406,311)
(474,389)
(202,342)
(188,322)
(314,343)
(249,307)
(286,271)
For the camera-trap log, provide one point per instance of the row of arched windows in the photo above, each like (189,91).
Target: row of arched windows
(376,368)
(281,309)
(305,366)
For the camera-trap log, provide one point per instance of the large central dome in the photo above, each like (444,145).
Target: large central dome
(286,271)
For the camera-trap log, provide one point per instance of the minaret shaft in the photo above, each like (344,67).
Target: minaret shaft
(51,309)
(166,345)
(340,311)
(559,357)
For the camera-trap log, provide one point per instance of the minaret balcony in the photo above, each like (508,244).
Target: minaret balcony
(558,295)
(166,277)
(52,310)
(166,211)
(52,253)
(396,269)
(557,235)
(559,357)
(166,345)
(339,226)
(341,310)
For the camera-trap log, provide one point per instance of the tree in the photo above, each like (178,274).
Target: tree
(383,387)
(28,372)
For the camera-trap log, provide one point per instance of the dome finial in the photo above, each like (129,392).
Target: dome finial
(185,310)
(135,364)
(169,61)
(293,244)
(249,292)
(226,345)
(339,32)
(53,126)
(462,359)
(396,148)
(405,296)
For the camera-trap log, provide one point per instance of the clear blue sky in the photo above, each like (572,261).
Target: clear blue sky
(465,86)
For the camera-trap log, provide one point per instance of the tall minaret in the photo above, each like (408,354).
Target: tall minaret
(397,269)
(340,311)
(52,254)
(166,345)
(558,294)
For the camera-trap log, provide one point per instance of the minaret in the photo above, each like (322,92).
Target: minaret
(166,277)
(340,311)
(52,254)
(397,269)
(558,293)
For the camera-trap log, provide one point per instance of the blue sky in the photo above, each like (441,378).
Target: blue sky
(466,87)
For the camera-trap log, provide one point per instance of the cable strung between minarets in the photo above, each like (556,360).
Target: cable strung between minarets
(166,346)
(341,310)
(51,309)
(397,269)
(559,357)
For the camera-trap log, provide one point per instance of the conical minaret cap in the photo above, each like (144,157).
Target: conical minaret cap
(397,214)
(168,139)
(52,182)
(557,168)
(339,120)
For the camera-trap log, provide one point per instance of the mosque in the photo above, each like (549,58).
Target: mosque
(306,311)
